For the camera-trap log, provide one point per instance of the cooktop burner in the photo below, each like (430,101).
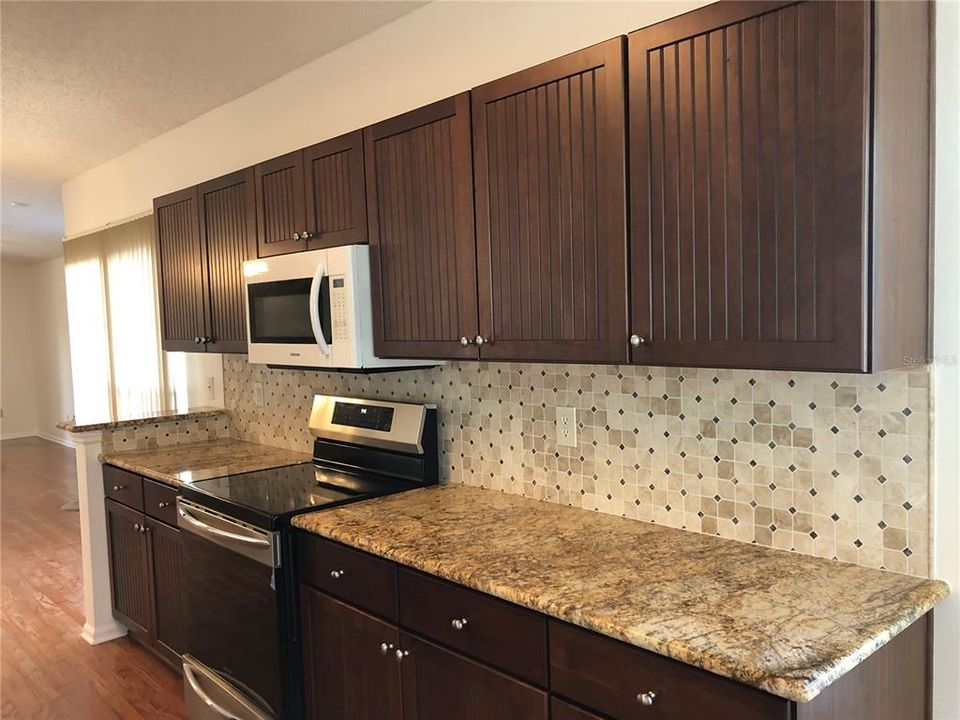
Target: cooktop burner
(278,493)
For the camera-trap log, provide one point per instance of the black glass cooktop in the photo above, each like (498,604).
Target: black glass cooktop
(268,498)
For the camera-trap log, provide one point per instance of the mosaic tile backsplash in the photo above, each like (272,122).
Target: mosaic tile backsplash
(166,433)
(831,465)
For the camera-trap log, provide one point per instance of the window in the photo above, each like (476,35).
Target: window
(114,318)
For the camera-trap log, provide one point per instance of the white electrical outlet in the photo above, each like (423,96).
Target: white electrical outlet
(567,426)
(258,394)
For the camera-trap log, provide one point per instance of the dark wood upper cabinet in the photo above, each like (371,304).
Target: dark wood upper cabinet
(549,153)
(281,205)
(350,666)
(228,235)
(203,236)
(182,268)
(764,232)
(420,219)
(336,210)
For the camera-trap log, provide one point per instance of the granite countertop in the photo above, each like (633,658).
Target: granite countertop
(788,624)
(178,464)
(190,414)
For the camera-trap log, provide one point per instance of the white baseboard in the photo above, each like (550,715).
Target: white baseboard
(18,436)
(105,633)
(59,440)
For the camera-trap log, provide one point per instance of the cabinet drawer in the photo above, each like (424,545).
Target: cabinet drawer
(610,676)
(559,710)
(123,486)
(160,501)
(506,636)
(361,579)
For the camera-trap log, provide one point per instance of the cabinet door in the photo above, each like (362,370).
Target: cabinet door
(549,147)
(336,204)
(167,559)
(228,232)
(182,271)
(281,206)
(748,173)
(440,685)
(350,669)
(420,207)
(130,580)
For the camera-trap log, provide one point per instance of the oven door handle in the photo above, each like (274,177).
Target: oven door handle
(318,276)
(201,693)
(203,528)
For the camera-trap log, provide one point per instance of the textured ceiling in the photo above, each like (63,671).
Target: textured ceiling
(84,82)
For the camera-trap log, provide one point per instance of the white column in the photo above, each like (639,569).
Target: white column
(100,626)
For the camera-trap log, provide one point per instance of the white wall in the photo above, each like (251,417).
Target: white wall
(18,379)
(946,372)
(37,390)
(439,50)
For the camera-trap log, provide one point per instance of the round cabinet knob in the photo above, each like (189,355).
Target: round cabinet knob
(464,341)
(479,340)
(637,340)
(164,505)
(385,648)
(296,236)
(401,654)
(458,623)
(136,526)
(118,488)
(646,699)
(305,235)
(337,574)
(198,340)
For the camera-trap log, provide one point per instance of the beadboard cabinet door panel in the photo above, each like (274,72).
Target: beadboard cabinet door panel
(749,177)
(281,205)
(419,181)
(228,236)
(167,558)
(131,581)
(336,204)
(183,267)
(550,153)
(350,668)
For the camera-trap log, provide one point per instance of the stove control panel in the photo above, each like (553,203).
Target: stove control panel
(370,417)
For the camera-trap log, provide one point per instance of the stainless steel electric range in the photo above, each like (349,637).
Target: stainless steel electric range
(243,659)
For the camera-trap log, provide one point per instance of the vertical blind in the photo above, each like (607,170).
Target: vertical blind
(114,320)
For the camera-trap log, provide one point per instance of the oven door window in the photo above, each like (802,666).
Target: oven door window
(280,311)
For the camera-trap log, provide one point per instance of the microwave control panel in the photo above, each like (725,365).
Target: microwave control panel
(338,307)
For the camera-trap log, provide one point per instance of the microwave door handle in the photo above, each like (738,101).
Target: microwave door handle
(318,276)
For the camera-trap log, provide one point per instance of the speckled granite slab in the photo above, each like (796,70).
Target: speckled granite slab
(188,463)
(201,412)
(785,623)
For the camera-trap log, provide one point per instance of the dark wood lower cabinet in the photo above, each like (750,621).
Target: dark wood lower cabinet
(130,581)
(349,661)
(146,571)
(167,560)
(441,685)
(446,656)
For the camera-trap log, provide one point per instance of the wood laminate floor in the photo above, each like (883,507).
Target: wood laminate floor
(46,669)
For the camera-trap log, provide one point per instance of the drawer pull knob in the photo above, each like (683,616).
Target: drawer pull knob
(337,574)
(458,623)
(385,648)
(136,526)
(164,504)
(646,699)
(118,488)
(401,654)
